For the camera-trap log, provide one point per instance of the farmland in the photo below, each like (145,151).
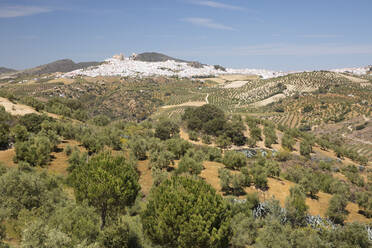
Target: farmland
(242,136)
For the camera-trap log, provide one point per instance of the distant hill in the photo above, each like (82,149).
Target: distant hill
(6,70)
(156,57)
(63,65)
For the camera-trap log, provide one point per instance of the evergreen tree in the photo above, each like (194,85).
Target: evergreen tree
(186,213)
(108,183)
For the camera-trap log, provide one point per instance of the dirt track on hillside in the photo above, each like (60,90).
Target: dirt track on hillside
(15,108)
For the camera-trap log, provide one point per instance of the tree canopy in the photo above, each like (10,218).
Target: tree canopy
(108,183)
(184,212)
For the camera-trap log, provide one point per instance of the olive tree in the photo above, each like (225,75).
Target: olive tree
(296,206)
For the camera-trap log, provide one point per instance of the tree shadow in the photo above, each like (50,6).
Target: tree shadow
(314,197)
(58,149)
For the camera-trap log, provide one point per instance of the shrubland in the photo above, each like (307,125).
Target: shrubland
(200,190)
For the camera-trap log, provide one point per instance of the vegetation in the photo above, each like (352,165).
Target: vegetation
(107,183)
(115,169)
(183,212)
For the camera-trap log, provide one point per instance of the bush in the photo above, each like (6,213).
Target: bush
(310,184)
(225,179)
(19,133)
(189,165)
(193,136)
(207,118)
(36,151)
(214,154)
(138,147)
(161,160)
(40,235)
(255,133)
(288,142)
(116,236)
(337,209)
(296,207)
(270,136)
(101,120)
(76,159)
(4,136)
(68,150)
(166,129)
(28,190)
(92,142)
(259,176)
(223,141)
(79,222)
(234,160)
(206,139)
(305,149)
(364,200)
(183,212)
(178,147)
(33,122)
(244,231)
(283,155)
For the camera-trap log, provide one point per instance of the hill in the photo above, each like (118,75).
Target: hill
(63,65)
(155,57)
(4,70)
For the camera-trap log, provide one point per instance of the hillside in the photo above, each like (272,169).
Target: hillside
(155,57)
(252,143)
(161,66)
(4,70)
(63,65)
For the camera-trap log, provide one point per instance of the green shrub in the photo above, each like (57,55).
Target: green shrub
(337,209)
(193,136)
(179,214)
(189,165)
(35,151)
(206,139)
(28,190)
(234,160)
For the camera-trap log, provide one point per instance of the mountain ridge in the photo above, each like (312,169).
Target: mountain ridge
(4,70)
(156,57)
(62,65)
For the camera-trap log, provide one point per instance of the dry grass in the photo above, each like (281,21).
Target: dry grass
(145,176)
(215,79)
(21,109)
(238,77)
(210,174)
(57,166)
(354,79)
(65,81)
(16,109)
(269,100)
(277,188)
(280,190)
(7,157)
(59,163)
(186,104)
(235,84)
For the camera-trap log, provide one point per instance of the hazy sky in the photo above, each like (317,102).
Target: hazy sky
(270,34)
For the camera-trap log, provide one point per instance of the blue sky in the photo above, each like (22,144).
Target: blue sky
(270,34)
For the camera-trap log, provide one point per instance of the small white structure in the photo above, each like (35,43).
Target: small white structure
(118,56)
(134,56)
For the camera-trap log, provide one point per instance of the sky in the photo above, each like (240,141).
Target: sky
(265,34)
